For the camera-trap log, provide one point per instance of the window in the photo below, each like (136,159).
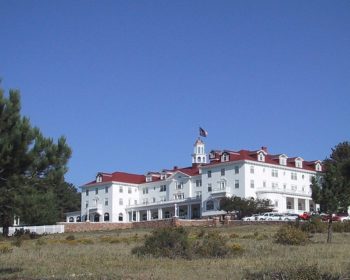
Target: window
(120,217)
(145,201)
(106,189)
(163,188)
(222,185)
(302,176)
(71,219)
(261,157)
(209,188)
(209,173)
(120,201)
(236,169)
(86,204)
(225,157)
(179,196)
(163,198)
(289,205)
(264,184)
(284,186)
(198,183)
(106,201)
(237,184)
(87,192)
(99,179)
(96,191)
(283,161)
(222,171)
(121,189)
(293,176)
(78,219)
(106,217)
(210,205)
(274,173)
(310,178)
(129,189)
(298,163)
(198,194)
(294,187)
(145,190)
(252,169)
(252,184)
(153,199)
(274,185)
(276,203)
(179,185)
(135,202)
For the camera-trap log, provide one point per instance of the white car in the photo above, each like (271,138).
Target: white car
(290,217)
(345,219)
(271,216)
(253,217)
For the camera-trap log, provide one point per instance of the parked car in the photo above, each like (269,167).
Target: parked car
(253,217)
(291,217)
(335,218)
(345,219)
(305,216)
(271,216)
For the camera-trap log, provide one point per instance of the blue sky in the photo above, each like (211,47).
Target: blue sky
(129,82)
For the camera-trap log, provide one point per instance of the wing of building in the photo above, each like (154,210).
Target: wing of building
(194,192)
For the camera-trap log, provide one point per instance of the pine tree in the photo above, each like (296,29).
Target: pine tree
(30,164)
(332,189)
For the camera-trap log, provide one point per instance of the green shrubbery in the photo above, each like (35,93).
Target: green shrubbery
(5,249)
(307,272)
(314,225)
(176,243)
(290,235)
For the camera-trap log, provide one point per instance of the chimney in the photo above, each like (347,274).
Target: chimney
(264,149)
(176,167)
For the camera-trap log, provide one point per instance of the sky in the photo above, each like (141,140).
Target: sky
(128,83)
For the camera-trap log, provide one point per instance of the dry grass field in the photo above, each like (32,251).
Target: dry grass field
(107,255)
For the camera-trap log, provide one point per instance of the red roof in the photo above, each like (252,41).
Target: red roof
(253,156)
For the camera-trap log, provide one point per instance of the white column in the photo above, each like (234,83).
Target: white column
(189,211)
(296,204)
(175,210)
(148,215)
(307,205)
(160,213)
(137,216)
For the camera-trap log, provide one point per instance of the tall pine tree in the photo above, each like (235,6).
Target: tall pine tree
(30,166)
(332,189)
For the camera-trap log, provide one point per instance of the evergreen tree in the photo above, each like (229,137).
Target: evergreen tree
(332,189)
(245,206)
(30,164)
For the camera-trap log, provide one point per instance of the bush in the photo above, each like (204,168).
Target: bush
(25,234)
(300,273)
(166,242)
(177,243)
(5,249)
(212,245)
(290,235)
(341,227)
(70,237)
(314,225)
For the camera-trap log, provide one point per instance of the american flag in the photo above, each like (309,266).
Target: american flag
(203,132)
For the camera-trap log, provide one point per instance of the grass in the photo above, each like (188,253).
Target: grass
(107,255)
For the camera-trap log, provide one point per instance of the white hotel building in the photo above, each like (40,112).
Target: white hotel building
(195,192)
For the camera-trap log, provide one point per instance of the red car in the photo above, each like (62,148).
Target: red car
(305,216)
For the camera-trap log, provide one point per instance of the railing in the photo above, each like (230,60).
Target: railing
(284,191)
(38,229)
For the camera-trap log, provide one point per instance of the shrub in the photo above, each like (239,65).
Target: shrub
(166,242)
(85,241)
(18,241)
(306,272)
(290,235)
(212,245)
(5,249)
(234,235)
(314,225)
(70,237)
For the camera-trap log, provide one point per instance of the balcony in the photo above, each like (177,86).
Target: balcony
(289,191)
(220,191)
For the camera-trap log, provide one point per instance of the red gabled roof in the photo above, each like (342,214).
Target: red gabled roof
(121,177)
(252,155)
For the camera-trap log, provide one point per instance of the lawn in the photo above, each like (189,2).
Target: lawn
(107,255)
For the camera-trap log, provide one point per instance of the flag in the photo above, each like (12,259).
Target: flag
(203,132)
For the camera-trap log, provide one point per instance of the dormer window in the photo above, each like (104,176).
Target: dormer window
(225,157)
(299,162)
(261,157)
(149,178)
(99,178)
(283,160)
(318,167)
